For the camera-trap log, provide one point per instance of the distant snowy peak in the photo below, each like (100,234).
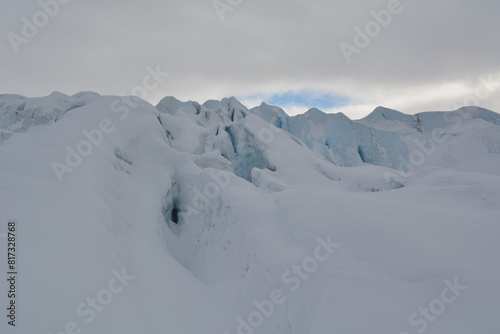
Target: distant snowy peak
(389,119)
(384,115)
(386,137)
(171,105)
(227,107)
(211,104)
(336,137)
(19,113)
(232,108)
(272,114)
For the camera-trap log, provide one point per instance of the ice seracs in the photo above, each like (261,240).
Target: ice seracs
(215,210)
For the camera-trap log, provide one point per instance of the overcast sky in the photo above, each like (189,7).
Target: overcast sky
(428,55)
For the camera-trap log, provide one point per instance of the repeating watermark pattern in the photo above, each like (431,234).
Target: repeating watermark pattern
(416,158)
(223,6)
(210,191)
(372,29)
(31,28)
(486,87)
(424,316)
(89,309)
(93,138)
(292,279)
(266,134)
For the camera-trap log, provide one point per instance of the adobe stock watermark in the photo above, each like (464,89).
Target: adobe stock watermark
(210,191)
(486,87)
(121,107)
(223,6)
(424,316)
(95,304)
(427,147)
(30,28)
(372,29)
(266,134)
(293,279)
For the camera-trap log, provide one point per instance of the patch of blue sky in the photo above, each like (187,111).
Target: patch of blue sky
(304,98)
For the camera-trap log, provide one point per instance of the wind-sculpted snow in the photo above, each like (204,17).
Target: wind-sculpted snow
(457,140)
(390,138)
(221,129)
(18,113)
(462,140)
(337,138)
(274,115)
(426,122)
(229,220)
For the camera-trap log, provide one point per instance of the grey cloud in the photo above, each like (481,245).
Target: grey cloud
(260,47)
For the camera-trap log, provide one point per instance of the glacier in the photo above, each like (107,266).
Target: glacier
(235,220)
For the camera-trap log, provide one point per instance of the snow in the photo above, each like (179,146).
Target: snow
(212,208)
(337,138)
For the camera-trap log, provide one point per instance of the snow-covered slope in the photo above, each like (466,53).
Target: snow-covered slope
(337,138)
(466,139)
(211,218)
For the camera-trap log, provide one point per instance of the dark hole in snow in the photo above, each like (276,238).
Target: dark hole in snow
(172,214)
(175,215)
